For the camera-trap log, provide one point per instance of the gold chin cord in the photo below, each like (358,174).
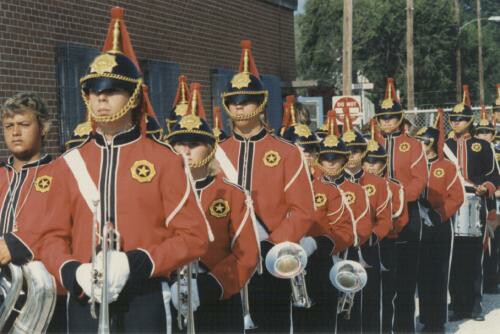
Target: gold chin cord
(131,104)
(205,161)
(460,129)
(390,129)
(329,171)
(248,116)
(355,162)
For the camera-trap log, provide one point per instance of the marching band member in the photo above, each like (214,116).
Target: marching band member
(442,197)
(333,157)
(25,184)
(486,130)
(407,164)
(381,218)
(232,257)
(476,161)
(274,172)
(332,232)
(375,162)
(122,181)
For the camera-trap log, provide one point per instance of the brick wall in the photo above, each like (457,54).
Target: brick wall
(199,35)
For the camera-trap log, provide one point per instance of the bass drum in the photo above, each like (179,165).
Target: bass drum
(468,218)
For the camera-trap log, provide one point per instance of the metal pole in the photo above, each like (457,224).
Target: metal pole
(409,55)
(347,49)
(458,54)
(480,53)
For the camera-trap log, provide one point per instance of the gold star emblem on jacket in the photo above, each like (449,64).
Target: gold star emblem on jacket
(42,183)
(439,172)
(319,199)
(143,171)
(404,147)
(370,189)
(351,197)
(219,208)
(476,147)
(271,158)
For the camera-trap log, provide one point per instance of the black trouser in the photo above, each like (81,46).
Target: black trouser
(466,276)
(490,264)
(388,258)
(433,276)
(407,246)
(139,309)
(58,323)
(371,295)
(320,318)
(269,299)
(223,316)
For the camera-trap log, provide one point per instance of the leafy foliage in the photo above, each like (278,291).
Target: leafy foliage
(379,46)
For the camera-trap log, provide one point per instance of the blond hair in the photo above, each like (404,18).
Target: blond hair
(27,101)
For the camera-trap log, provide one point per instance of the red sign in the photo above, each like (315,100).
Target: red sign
(347,102)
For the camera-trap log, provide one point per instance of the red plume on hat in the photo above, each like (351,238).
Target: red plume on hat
(466,96)
(347,120)
(441,129)
(333,128)
(118,40)
(217,118)
(196,104)
(375,131)
(182,94)
(390,90)
(247,63)
(285,123)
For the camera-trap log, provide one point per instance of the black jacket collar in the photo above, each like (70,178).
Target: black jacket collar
(203,183)
(44,159)
(261,134)
(121,138)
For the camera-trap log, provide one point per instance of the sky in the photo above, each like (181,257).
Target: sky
(300,8)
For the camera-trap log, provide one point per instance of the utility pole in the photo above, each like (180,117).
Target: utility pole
(409,56)
(480,53)
(347,49)
(458,54)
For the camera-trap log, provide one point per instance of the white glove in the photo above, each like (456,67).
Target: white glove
(118,273)
(195,298)
(309,245)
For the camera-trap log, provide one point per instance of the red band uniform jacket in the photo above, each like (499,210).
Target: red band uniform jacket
(232,257)
(357,200)
(144,192)
(444,191)
(407,163)
(333,219)
(23,196)
(274,172)
(380,201)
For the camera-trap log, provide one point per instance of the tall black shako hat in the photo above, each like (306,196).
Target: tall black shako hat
(332,147)
(115,68)
(181,101)
(434,135)
(374,151)
(352,138)
(390,107)
(485,125)
(192,127)
(297,133)
(463,110)
(245,86)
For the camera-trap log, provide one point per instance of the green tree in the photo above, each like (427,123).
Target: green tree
(379,46)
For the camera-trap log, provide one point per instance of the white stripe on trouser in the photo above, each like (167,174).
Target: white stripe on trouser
(67,313)
(167,295)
